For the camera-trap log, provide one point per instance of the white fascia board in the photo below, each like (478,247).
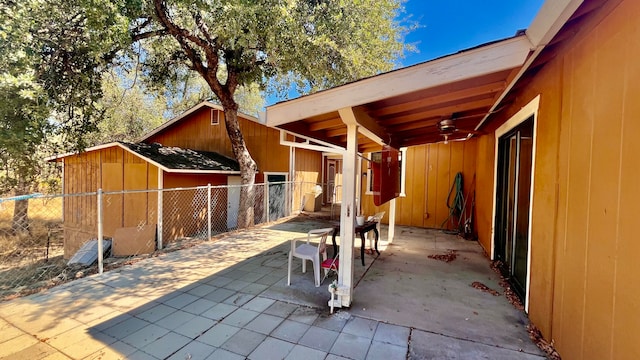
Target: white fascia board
(550,19)
(502,55)
(93,148)
(185,171)
(322,147)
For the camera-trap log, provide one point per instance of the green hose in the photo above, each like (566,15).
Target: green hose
(457,206)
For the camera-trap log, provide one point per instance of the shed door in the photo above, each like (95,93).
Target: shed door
(277,196)
(233,201)
(513,199)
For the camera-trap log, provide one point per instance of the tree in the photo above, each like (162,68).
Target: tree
(130,110)
(51,59)
(313,44)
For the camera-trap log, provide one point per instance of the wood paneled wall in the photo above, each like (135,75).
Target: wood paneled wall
(584,290)
(430,173)
(308,168)
(111,169)
(196,132)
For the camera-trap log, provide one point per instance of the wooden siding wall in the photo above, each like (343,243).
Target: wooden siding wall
(197,133)
(485,164)
(111,169)
(308,169)
(584,290)
(430,173)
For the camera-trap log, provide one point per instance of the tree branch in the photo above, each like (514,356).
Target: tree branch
(183,37)
(149,34)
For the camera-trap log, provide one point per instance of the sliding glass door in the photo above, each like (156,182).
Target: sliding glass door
(515,151)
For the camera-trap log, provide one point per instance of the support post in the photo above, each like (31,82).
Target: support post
(100,234)
(208,211)
(392,221)
(348,213)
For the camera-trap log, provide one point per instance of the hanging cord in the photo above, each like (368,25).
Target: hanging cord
(455,208)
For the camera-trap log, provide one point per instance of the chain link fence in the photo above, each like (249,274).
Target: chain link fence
(46,240)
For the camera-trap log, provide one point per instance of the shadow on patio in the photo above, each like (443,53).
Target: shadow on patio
(229,299)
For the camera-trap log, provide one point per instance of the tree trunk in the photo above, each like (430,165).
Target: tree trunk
(247,166)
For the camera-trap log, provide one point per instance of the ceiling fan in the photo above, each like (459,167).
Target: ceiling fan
(448,128)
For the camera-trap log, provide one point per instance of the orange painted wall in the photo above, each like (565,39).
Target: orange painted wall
(584,291)
(430,173)
(196,132)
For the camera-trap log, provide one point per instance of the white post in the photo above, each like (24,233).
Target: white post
(392,221)
(100,234)
(160,206)
(208,211)
(348,213)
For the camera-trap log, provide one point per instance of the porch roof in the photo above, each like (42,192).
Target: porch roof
(407,106)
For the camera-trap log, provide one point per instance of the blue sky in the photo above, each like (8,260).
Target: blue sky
(447,26)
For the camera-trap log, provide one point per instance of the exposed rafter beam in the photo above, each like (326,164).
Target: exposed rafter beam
(326,124)
(443,111)
(367,126)
(441,98)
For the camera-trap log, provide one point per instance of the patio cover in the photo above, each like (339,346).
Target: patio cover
(404,107)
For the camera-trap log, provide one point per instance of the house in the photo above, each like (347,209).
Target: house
(547,122)
(188,151)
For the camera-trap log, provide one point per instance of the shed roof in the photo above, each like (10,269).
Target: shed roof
(172,159)
(176,158)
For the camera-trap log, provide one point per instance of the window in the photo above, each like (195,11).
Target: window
(377,156)
(215,116)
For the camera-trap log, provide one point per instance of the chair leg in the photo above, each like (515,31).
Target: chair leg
(316,270)
(289,269)
(304,265)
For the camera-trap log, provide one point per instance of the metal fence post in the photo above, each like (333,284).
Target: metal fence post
(208,211)
(100,235)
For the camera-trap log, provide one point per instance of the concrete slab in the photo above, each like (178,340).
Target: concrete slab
(426,345)
(229,299)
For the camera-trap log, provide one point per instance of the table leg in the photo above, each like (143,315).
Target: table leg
(375,231)
(362,235)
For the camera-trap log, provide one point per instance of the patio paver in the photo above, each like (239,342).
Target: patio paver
(185,306)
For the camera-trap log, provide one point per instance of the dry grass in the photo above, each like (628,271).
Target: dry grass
(30,256)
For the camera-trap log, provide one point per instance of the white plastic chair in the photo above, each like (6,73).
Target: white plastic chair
(377,217)
(310,251)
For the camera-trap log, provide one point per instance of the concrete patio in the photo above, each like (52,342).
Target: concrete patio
(228,299)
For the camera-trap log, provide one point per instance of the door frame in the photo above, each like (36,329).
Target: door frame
(526,112)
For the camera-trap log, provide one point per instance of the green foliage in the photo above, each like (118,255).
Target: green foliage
(313,44)
(193,90)
(129,110)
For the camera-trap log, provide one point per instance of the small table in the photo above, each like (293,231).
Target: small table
(362,230)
